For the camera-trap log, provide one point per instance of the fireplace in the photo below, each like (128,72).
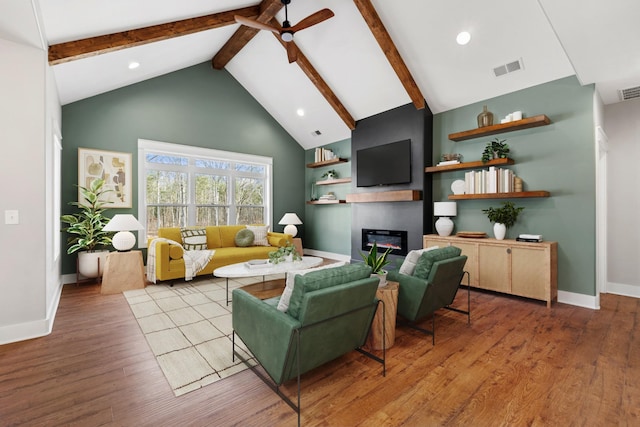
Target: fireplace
(394,239)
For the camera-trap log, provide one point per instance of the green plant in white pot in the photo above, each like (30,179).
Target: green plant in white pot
(503,218)
(284,254)
(377,263)
(86,229)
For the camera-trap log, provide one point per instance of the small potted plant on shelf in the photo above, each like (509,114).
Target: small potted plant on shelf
(377,263)
(496,149)
(284,254)
(85,228)
(503,218)
(330,174)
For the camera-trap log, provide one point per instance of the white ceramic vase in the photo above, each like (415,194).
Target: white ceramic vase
(382,276)
(499,231)
(88,263)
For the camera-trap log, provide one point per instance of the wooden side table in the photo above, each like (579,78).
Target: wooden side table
(123,271)
(389,295)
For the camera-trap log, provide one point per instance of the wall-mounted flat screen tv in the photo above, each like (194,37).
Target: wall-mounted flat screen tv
(385,164)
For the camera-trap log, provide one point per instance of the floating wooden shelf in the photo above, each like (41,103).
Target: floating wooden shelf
(327,163)
(526,123)
(518,195)
(469,165)
(334,181)
(385,196)
(325,202)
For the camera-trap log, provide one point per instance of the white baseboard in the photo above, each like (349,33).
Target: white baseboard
(623,289)
(580,300)
(330,255)
(35,328)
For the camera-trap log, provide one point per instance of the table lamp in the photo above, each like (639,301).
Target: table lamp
(290,220)
(124,239)
(444,210)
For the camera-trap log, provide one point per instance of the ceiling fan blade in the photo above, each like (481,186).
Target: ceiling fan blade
(255,24)
(292,52)
(313,19)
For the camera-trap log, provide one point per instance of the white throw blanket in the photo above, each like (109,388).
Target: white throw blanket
(194,261)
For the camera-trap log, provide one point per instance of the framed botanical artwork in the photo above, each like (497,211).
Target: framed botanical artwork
(113,167)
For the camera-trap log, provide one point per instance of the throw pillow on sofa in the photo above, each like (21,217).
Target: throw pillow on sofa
(409,264)
(244,238)
(426,260)
(260,234)
(283,304)
(194,239)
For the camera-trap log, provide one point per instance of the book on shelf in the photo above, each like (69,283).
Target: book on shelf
(324,154)
(449,162)
(491,180)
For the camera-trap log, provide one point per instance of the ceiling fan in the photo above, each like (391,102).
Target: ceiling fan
(286,31)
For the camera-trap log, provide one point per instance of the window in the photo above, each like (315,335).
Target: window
(181,185)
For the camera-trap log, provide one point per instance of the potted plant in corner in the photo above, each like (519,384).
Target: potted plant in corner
(377,263)
(503,218)
(85,228)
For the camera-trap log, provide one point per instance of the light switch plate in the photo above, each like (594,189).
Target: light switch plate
(11,217)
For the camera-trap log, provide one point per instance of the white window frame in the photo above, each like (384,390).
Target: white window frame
(146,146)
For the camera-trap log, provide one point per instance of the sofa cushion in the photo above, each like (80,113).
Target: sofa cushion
(277,240)
(194,239)
(175,252)
(426,260)
(244,238)
(228,235)
(283,304)
(409,264)
(213,237)
(260,233)
(324,279)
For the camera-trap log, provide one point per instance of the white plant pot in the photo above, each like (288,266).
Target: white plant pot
(382,277)
(499,231)
(88,263)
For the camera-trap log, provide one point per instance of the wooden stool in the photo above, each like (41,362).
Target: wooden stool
(123,271)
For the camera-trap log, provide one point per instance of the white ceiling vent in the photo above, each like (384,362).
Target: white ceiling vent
(316,133)
(508,68)
(630,93)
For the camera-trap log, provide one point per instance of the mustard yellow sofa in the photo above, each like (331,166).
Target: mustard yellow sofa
(170,263)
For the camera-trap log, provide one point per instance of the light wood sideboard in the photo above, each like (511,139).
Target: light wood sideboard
(508,266)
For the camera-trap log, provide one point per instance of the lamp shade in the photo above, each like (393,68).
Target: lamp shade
(290,219)
(124,239)
(445,209)
(123,222)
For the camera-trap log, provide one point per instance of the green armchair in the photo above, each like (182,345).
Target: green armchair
(433,285)
(329,314)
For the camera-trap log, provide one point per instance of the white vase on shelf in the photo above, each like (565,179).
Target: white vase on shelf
(499,231)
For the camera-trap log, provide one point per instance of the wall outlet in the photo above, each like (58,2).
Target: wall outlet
(11,217)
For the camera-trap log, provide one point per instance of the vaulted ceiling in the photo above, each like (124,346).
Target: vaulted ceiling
(372,56)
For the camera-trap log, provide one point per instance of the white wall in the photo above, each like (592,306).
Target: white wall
(29,277)
(622,125)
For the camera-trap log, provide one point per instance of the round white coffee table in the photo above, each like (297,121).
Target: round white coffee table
(242,269)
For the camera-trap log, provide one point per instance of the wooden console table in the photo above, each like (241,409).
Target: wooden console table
(508,266)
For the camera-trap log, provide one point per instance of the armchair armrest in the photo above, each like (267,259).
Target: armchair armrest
(265,330)
(411,294)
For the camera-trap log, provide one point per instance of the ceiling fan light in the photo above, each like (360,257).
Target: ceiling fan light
(287,36)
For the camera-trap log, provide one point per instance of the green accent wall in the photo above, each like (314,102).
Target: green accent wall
(328,227)
(195,106)
(559,158)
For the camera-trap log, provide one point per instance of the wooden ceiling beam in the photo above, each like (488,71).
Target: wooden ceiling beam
(379,31)
(244,34)
(69,51)
(321,85)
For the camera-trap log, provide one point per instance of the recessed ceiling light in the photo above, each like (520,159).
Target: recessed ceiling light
(300,112)
(463,38)
(133,65)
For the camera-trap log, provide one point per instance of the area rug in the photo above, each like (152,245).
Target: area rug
(188,328)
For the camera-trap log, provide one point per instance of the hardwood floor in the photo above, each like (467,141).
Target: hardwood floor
(517,364)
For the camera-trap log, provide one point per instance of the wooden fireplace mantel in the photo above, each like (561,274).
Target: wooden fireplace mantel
(385,196)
